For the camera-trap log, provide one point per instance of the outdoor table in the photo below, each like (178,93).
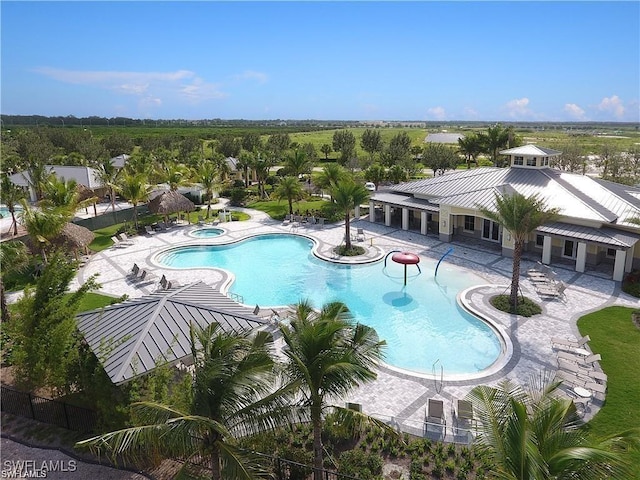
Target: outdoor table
(582,392)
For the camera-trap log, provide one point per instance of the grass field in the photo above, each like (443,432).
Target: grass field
(617,340)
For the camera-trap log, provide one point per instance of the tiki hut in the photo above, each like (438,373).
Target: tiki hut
(85,193)
(74,237)
(170,202)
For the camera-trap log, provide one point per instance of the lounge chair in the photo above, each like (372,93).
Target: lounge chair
(463,415)
(287,220)
(360,235)
(570,379)
(580,359)
(162,285)
(596,387)
(149,230)
(125,240)
(135,271)
(117,243)
(568,343)
(545,290)
(321,222)
(435,414)
(585,373)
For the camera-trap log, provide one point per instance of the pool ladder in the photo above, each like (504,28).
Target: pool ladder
(437,384)
(235,297)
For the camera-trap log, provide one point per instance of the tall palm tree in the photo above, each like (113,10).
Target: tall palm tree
(531,433)
(519,215)
(207,176)
(37,175)
(245,161)
(134,188)
(174,174)
(470,146)
(62,193)
(10,195)
(108,175)
(347,195)
(232,396)
(495,139)
(289,188)
(43,224)
(297,164)
(330,176)
(327,356)
(13,258)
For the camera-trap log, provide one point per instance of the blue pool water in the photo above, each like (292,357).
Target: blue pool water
(206,232)
(421,323)
(4,211)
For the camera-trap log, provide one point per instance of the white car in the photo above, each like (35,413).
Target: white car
(370,186)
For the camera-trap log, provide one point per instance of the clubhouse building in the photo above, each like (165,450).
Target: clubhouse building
(594,229)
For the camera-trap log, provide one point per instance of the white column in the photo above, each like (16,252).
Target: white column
(618,266)
(446,226)
(372,212)
(546,250)
(387,215)
(581,257)
(405,218)
(356,214)
(423,223)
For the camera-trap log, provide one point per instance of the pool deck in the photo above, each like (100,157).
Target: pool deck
(396,395)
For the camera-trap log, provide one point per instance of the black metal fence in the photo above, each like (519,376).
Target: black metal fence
(45,410)
(111,218)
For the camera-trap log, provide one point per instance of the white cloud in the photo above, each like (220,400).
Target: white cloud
(574,111)
(252,75)
(436,113)
(517,108)
(183,83)
(471,113)
(612,105)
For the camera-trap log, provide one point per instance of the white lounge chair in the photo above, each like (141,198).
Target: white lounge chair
(568,343)
(360,235)
(117,243)
(547,290)
(149,230)
(125,240)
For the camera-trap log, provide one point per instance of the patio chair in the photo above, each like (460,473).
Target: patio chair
(125,240)
(135,271)
(117,243)
(570,379)
(435,414)
(321,222)
(360,235)
(200,220)
(163,283)
(287,220)
(149,230)
(596,387)
(568,343)
(463,414)
(586,361)
(545,290)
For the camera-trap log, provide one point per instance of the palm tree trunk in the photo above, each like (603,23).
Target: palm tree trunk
(290,207)
(216,472)
(515,273)
(347,231)
(317,442)
(14,224)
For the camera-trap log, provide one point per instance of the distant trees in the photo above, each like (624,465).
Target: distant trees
(470,146)
(326,149)
(376,173)
(496,138)
(371,142)
(439,158)
(398,152)
(344,142)
(572,158)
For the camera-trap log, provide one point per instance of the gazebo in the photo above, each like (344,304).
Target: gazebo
(74,237)
(170,202)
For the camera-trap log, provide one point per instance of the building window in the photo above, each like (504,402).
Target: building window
(518,160)
(490,230)
(611,252)
(539,240)
(532,161)
(569,249)
(545,161)
(469,223)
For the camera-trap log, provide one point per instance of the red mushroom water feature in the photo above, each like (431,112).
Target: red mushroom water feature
(406,258)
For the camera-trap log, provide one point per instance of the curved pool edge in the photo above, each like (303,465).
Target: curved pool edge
(191,233)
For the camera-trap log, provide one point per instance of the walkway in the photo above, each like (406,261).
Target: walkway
(396,395)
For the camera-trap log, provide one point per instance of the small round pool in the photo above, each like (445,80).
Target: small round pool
(206,232)
(423,325)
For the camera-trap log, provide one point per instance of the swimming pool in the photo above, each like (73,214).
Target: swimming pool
(4,211)
(206,232)
(421,322)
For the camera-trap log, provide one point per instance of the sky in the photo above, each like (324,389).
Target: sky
(424,61)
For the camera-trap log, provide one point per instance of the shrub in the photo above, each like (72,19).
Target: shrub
(631,283)
(525,308)
(360,464)
(355,250)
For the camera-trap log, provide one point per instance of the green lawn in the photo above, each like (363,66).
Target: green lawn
(93,301)
(615,337)
(278,209)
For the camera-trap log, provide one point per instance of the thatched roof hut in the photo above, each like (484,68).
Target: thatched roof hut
(74,237)
(170,202)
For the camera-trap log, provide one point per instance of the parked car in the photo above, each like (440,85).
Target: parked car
(370,186)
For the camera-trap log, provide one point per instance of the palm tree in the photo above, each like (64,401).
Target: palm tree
(207,176)
(470,146)
(330,176)
(297,164)
(519,215)
(43,224)
(174,174)
(376,173)
(134,188)
(533,433)
(232,396)
(13,258)
(289,188)
(347,195)
(494,140)
(37,175)
(64,194)
(327,356)
(108,175)
(245,161)
(10,195)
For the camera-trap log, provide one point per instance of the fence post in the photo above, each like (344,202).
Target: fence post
(66,415)
(33,413)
